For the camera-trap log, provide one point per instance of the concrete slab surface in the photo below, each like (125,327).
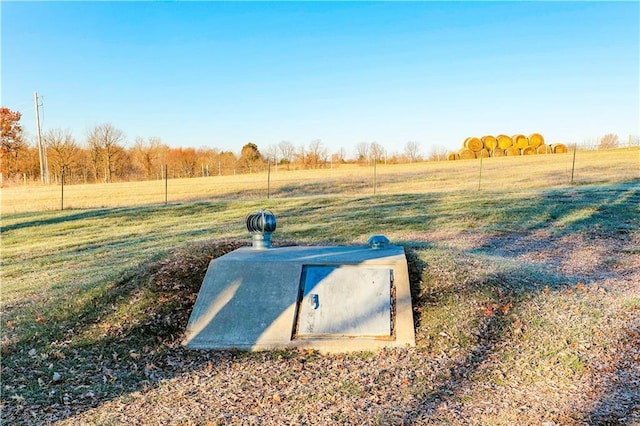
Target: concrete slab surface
(329,298)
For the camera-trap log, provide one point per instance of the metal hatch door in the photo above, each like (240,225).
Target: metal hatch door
(344,301)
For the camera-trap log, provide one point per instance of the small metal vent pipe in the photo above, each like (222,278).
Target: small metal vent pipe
(261,224)
(377,242)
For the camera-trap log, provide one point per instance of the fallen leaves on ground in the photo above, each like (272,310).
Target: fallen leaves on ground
(490,370)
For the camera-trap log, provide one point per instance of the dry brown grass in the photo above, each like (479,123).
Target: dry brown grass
(508,174)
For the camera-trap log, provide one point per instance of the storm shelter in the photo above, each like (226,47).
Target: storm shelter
(328,298)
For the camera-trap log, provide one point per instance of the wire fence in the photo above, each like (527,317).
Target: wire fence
(577,167)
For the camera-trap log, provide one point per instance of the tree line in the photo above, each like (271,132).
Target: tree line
(105,155)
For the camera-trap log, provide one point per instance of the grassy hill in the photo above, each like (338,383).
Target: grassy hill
(526,303)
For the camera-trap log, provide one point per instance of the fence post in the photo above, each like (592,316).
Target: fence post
(375,176)
(268,178)
(480,174)
(166,184)
(62,190)
(573,165)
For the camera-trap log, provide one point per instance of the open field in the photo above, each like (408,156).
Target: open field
(526,300)
(507,173)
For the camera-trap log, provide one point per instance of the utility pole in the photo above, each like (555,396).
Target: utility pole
(42,150)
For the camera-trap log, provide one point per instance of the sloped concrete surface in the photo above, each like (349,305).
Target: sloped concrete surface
(329,298)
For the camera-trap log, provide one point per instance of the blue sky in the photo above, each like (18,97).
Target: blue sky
(221,74)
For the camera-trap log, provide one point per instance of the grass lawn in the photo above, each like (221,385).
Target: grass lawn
(526,303)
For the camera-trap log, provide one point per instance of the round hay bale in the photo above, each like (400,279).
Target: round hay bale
(512,151)
(498,152)
(474,144)
(559,148)
(536,140)
(483,153)
(466,154)
(520,141)
(490,142)
(504,141)
(544,149)
(453,156)
(529,151)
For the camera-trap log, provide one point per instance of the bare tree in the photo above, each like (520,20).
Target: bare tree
(300,156)
(271,154)
(412,151)
(437,153)
(106,144)
(339,156)
(208,159)
(609,141)
(182,162)
(62,149)
(148,155)
(286,150)
(317,154)
(376,151)
(362,151)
